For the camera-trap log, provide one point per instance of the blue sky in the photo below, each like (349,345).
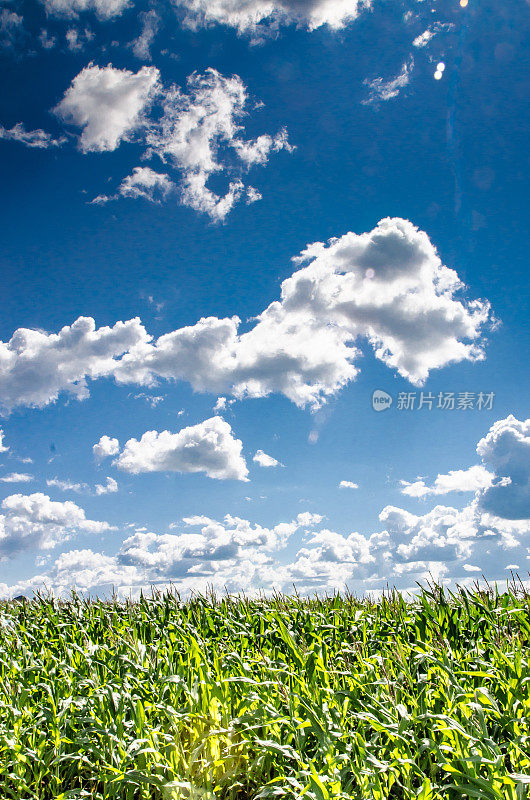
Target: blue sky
(164,164)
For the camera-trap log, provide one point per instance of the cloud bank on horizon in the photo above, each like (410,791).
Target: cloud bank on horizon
(240,556)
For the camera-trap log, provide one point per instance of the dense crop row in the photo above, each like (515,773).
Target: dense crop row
(326,698)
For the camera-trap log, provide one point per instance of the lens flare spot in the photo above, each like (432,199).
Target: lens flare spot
(438,75)
(440,67)
(463,3)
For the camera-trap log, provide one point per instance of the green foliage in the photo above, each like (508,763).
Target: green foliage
(221,699)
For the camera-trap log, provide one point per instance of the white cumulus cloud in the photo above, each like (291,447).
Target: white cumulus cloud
(38,522)
(208,447)
(104,9)
(110,487)
(506,448)
(109,104)
(106,447)
(35,367)
(174,555)
(143,183)
(387,287)
(456,480)
(265,460)
(348,485)
(196,124)
(197,131)
(251,16)
(501,483)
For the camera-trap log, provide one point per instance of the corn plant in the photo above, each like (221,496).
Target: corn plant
(268,698)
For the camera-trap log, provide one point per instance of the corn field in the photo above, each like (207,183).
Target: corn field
(283,697)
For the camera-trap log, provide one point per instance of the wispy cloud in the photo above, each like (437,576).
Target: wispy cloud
(37,138)
(16,477)
(380,91)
